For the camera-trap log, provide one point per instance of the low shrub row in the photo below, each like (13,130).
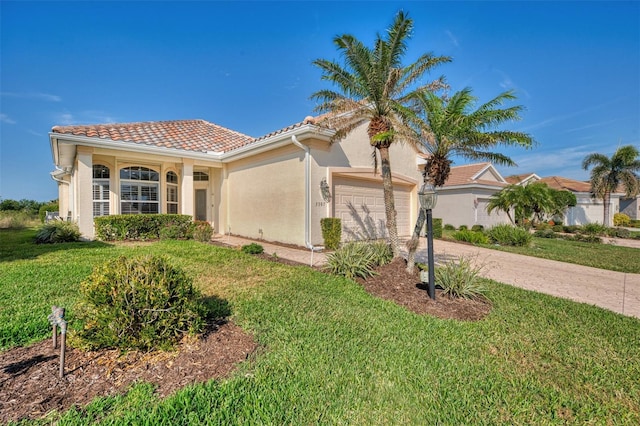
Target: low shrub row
(143,227)
(505,235)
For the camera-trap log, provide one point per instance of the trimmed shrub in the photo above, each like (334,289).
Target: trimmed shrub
(138,226)
(508,235)
(252,248)
(634,223)
(449,227)
(201,231)
(57,232)
(477,228)
(460,279)
(463,228)
(437,227)
(571,229)
(331,232)
(139,303)
(557,228)
(470,237)
(542,226)
(621,219)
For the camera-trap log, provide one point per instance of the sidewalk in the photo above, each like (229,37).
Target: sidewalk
(616,291)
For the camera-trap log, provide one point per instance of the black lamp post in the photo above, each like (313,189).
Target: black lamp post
(428,199)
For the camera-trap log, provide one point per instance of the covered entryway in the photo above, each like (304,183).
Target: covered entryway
(359,204)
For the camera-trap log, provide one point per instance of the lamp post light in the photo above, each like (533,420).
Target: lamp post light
(428,199)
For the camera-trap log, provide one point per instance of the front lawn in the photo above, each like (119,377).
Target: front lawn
(333,354)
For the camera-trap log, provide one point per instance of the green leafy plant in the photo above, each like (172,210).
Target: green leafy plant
(460,278)
(545,233)
(472,237)
(557,228)
(618,233)
(57,231)
(437,227)
(331,232)
(463,228)
(138,226)
(138,303)
(477,228)
(509,235)
(202,231)
(571,229)
(49,207)
(252,248)
(382,253)
(594,229)
(449,227)
(353,259)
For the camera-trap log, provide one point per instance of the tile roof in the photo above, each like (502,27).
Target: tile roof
(514,179)
(188,135)
(560,183)
(463,175)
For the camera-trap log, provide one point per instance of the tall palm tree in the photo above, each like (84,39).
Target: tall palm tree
(453,127)
(609,173)
(374,86)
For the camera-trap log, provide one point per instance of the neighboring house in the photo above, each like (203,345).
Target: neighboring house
(522,179)
(276,187)
(463,199)
(587,208)
(630,207)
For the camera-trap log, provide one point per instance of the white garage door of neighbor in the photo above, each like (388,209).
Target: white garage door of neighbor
(360,206)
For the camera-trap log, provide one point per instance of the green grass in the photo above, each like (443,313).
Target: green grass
(603,256)
(333,354)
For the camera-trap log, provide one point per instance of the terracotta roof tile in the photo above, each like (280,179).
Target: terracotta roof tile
(188,135)
(558,182)
(463,175)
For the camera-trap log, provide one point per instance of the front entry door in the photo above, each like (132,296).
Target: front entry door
(201,204)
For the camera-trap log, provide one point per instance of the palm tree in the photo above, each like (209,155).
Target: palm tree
(453,127)
(609,173)
(375,87)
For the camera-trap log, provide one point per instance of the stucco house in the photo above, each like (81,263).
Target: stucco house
(463,199)
(275,187)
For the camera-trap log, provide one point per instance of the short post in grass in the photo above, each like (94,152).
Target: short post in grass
(428,198)
(57,320)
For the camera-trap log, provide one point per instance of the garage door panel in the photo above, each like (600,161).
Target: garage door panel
(360,206)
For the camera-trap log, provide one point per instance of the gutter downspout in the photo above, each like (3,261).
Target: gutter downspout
(307,196)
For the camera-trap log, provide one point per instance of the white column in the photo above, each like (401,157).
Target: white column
(187,187)
(84,192)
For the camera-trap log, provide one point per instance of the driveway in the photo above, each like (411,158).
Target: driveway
(616,291)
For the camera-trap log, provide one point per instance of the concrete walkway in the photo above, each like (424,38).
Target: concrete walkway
(616,291)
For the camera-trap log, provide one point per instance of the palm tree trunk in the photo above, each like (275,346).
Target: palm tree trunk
(607,208)
(389,201)
(412,244)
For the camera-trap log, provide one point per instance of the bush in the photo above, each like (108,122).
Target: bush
(542,226)
(621,219)
(585,238)
(463,228)
(557,228)
(437,227)
(252,248)
(358,258)
(138,226)
(571,229)
(57,231)
(594,229)
(11,219)
(634,223)
(471,237)
(331,232)
(508,235)
(477,228)
(460,279)
(201,231)
(618,233)
(140,303)
(449,227)
(545,233)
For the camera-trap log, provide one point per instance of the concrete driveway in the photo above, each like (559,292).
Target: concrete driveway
(616,291)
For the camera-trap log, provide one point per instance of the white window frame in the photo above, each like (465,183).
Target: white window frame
(100,188)
(144,186)
(173,194)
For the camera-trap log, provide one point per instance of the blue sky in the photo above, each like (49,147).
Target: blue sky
(575,67)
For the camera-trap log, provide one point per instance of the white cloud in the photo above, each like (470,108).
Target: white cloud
(507,83)
(33,95)
(453,38)
(566,162)
(4,118)
(590,126)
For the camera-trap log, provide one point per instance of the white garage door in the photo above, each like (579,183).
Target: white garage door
(360,206)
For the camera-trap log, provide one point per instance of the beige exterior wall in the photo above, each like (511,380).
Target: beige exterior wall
(459,207)
(265,196)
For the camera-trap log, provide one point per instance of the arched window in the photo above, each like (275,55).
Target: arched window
(172,193)
(139,190)
(100,190)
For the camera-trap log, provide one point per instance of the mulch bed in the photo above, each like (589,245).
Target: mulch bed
(30,386)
